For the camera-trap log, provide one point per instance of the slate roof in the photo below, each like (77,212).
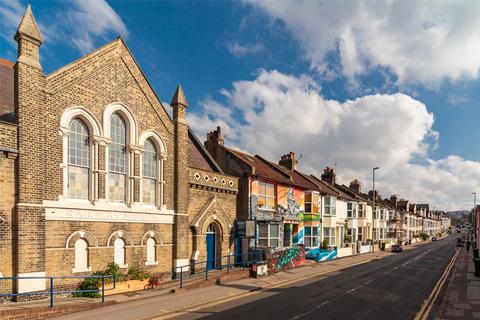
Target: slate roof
(7,89)
(265,169)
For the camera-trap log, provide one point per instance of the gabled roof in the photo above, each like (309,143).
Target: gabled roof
(358,195)
(198,156)
(7,91)
(265,169)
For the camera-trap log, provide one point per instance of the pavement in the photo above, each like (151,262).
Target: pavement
(461,297)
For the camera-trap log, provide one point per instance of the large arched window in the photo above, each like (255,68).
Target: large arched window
(78,160)
(81,256)
(150,174)
(119,252)
(118,163)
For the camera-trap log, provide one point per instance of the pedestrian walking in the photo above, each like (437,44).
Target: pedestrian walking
(468,245)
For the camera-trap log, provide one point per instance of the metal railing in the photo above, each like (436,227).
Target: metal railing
(51,292)
(190,270)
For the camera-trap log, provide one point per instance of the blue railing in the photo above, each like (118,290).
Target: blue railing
(51,292)
(191,268)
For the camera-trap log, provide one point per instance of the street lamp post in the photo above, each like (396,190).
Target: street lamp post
(474,218)
(374,213)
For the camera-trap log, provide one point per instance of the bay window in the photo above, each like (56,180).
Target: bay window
(311,202)
(269,235)
(311,236)
(361,210)
(329,235)
(330,206)
(266,195)
(351,210)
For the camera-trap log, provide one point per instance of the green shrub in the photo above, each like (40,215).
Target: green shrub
(135,273)
(89,284)
(325,244)
(424,236)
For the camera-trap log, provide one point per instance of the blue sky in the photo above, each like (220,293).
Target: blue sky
(303,73)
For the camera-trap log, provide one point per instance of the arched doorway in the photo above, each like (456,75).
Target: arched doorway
(211,243)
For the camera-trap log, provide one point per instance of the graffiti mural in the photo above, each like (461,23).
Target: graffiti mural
(286,259)
(319,255)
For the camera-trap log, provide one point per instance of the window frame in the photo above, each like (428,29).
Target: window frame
(85,266)
(311,237)
(111,172)
(329,234)
(156,175)
(68,165)
(266,196)
(352,212)
(312,203)
(332,206)
(268,238)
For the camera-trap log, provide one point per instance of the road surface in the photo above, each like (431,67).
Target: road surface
(393,287)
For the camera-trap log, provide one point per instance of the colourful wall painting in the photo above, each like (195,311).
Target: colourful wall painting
(285,200)
(286,259)
(320,255)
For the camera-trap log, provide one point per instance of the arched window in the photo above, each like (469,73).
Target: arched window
(151,251)
(150,174)
(78,160)
(119,252)
(81,256)
(117,154)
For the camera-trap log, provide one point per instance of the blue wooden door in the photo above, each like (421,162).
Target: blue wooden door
(210,251)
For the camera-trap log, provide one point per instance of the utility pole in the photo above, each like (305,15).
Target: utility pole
(374,213)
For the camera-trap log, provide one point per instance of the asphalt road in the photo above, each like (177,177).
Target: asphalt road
(393,287)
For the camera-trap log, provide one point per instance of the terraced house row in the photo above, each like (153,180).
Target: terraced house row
(93,170)
(291,207)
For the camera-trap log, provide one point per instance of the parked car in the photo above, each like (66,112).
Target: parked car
(396,248)
(434,239)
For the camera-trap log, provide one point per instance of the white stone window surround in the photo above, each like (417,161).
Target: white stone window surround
(96,134)
(161,158)
(81,257)
(158,239)
(131,124)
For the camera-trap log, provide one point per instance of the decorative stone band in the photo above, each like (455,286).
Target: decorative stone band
(58,210)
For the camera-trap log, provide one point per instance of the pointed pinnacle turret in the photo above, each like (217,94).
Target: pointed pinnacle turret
(179,98)
(28,27)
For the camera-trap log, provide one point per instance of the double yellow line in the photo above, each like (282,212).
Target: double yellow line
(429,302)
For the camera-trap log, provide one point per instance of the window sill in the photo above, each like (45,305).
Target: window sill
(147,263)
(123,266)
(89,269)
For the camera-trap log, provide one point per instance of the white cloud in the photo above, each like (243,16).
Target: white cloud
(283,113)
(420,42)
(78,23)
(238,50)
(92,18)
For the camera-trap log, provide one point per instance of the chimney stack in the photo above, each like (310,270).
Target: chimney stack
(394,200)
(355,186)
(377,196)
(214,142)
(328,175)
(288,161)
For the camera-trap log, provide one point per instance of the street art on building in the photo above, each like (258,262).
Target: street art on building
(319,254)
(286,259)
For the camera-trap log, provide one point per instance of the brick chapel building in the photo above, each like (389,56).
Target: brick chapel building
(93,170)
